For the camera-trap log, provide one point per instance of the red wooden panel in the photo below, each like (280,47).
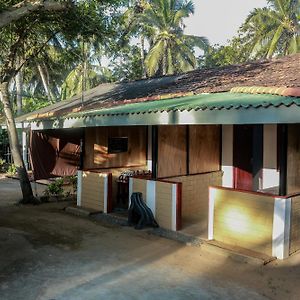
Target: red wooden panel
(243,157)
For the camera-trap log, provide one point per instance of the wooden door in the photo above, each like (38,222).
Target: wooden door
(243,157)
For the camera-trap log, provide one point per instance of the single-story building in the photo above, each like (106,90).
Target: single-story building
(215,153)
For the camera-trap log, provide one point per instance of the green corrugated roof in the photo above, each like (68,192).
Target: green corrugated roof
(198,102)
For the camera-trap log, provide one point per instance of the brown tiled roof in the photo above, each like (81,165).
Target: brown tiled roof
(282,72)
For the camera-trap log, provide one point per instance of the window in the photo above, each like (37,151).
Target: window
(117,145)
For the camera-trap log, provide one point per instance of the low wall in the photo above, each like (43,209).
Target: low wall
(94,190)
(163,198)
(115,173)
(295,225)
(195,193)
(243,219)
(257,221)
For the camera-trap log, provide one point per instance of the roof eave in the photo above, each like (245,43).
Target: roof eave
(251,115)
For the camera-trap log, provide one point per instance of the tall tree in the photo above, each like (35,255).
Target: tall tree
(171,50)
(274,30)
(27,27)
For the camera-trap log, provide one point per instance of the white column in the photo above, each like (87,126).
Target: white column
(105,193)
(79,187)
(281,228)
(227,155)
(211,208)
(24,148)
(149,149)
(150,197)
(174,207)
(130,190)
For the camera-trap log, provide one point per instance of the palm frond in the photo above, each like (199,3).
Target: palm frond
(154,57)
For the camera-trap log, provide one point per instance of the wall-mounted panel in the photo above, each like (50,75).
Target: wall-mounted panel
(96,147)
(204,148)
(172,154)
(293,159)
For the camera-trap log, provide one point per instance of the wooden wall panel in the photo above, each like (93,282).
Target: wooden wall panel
(171,151)
(96,142)
(293,159)
(204,148)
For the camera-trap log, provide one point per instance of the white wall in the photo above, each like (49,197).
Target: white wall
(270,173)
(227,155)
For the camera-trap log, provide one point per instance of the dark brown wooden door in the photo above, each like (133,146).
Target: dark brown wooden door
(243,157)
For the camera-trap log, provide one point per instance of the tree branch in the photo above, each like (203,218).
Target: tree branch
(27,7)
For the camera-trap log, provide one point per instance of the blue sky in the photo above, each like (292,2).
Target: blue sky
(219,20)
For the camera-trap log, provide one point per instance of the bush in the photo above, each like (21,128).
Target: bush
(12,169)
(2,165)
(73,181)
(55,188)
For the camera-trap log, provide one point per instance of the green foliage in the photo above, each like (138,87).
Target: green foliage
(273,30)
(73,181)
(267,32)
(32,103)
(161,25)
(55,188)
(50,42)
(2,165)
(11,170)
(127,64)
(171,51)
(76,81)
(217,56)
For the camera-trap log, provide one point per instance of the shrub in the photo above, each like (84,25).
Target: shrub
(2,165)
(12,169)
(73,181)
(55,188)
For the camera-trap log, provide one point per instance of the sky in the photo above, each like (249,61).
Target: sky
(219,20)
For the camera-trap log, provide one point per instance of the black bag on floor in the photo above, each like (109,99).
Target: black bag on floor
(139,214)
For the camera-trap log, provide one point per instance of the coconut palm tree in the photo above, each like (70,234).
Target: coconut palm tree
(171,51)
(88,72)
(274,30)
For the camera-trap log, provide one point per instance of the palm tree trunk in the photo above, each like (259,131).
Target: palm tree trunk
(19,90)
(144,73)
(52,95)
(45,83)
(164,60)
(14,145)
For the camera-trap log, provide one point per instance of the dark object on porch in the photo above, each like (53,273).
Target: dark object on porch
(123,185)
(139,214)
(123,191)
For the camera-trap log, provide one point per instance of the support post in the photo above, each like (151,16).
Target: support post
(257,151)
(79,187)
(81,154)
(281,228)
(154,151)
(211,209)
(283,140)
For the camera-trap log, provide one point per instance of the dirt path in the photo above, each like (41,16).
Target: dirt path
(10,192)
(48,254)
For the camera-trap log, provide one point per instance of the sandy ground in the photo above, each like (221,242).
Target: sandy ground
(46,253)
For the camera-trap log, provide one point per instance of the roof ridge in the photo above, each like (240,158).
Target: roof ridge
(273,90)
